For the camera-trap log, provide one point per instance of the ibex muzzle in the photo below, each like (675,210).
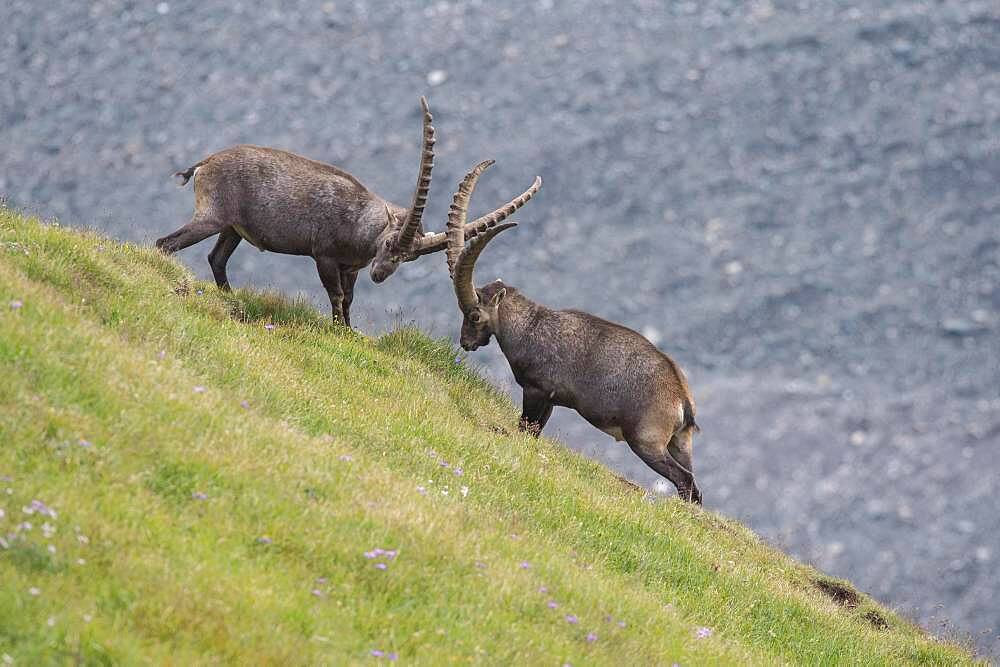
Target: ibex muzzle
(286,203)
(612,376)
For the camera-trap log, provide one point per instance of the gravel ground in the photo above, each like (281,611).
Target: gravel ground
(798,201)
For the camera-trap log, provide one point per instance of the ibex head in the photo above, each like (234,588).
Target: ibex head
(401,239)
(480,308)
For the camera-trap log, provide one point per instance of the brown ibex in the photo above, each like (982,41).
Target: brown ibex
(612,376)
(289,204)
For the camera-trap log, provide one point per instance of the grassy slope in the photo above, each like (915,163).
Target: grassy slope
(120,347)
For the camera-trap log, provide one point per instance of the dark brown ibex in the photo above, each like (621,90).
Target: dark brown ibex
(616,379)
(289,204)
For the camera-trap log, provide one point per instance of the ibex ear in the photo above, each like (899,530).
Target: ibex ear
(498,297)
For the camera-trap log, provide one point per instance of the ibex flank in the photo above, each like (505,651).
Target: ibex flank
(616,379)
(286,203)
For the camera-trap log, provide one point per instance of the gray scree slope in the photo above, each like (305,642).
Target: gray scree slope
(798,201)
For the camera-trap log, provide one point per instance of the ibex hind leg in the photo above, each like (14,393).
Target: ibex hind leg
(219,257)
(680,448)
(653,449)
(199,229)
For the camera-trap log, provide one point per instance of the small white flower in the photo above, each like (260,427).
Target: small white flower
(83,539)
(80,561)
(34,591)
(465,491)
(51,622)
(52,548)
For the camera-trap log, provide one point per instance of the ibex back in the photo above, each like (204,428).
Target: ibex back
(616,379)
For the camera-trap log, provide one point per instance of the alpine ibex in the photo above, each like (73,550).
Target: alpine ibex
(616,379)
(289,204)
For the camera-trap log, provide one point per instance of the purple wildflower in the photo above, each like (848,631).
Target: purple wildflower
(543,589)
(86,444)
(269,326)
(264,539)
(552,604)
(591,637)
(393,657)
(41,508)
(376,653)
(422,490)
(199,292)
(321,580)
(199,389)
(444,464)
(390,553)
(16,304)
(703,633)
(458,472)
(525,565)
(199,495)
(245,404)
(621,624)
(370,554)
(317,592)
(572,619)
(381,566)
(481,565)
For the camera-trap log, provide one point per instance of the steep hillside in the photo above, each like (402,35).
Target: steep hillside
(192,476)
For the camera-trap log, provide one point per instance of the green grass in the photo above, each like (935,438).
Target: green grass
(217,484)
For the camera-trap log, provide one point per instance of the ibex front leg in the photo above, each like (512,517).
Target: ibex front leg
(347,280)
(535,411)
(329,273)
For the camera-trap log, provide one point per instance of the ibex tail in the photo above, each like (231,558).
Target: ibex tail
(689,417)
(185,176)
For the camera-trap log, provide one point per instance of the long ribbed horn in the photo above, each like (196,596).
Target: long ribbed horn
(434,242)
(455,236)
(409,229)
(479,225)
(465,290)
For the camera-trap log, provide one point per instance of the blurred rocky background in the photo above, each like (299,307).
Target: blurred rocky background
(798,200)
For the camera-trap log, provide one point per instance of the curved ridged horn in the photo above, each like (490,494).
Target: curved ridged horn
(434,242)
(465,290)
(455,236)
(479,225)
(409,228)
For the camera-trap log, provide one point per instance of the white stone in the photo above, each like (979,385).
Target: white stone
(436,77)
